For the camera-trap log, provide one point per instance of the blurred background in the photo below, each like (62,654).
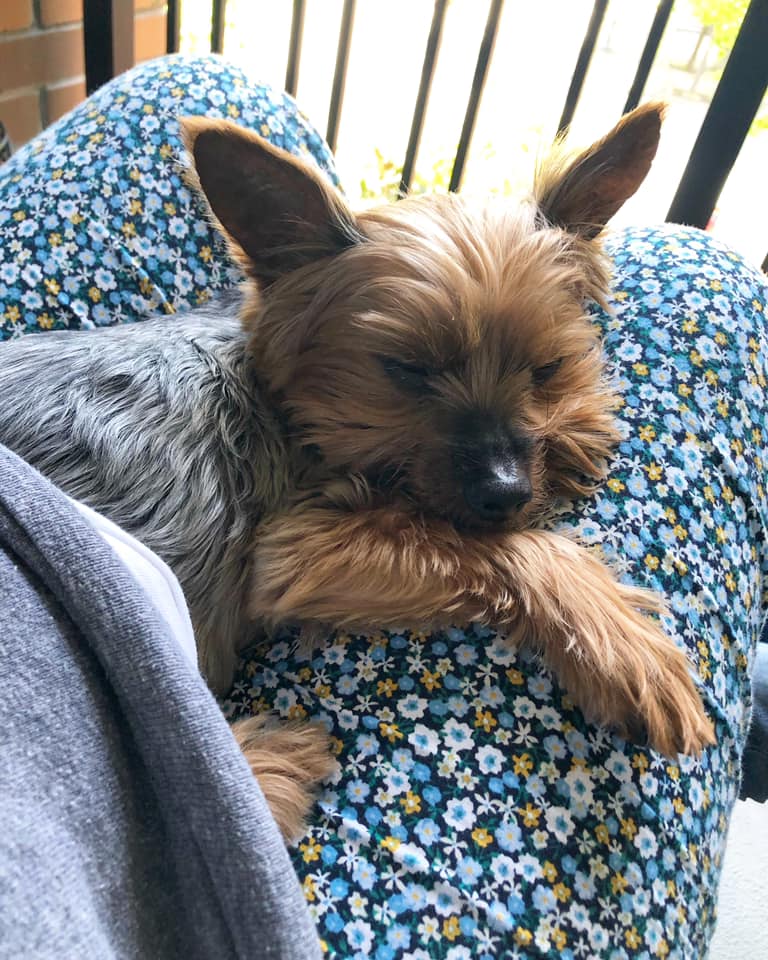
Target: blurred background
(536,50)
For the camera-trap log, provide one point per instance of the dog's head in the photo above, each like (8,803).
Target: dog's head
(429,345)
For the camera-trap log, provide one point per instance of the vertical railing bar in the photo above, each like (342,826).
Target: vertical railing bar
(294,47)
(107,40)
(340,73)
(422,97)
(172,26)
(659,25)
(218,11)
(582,65)
(478,82)
(733,108)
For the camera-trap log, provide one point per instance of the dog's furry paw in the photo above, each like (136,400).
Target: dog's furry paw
(290,760)
(646,692)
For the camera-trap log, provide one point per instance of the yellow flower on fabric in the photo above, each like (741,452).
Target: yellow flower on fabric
(561,892)
(522,765)
(411,802)
(431,680)
(559,938)
(684,390)
(95,294)
(451,928)
(385,688)
(641,369)
(632,938)
(602,834)
(628,828)
(12,313)
(680,532)
(481,837)
(647,433)
(310,890)
(486,720)
(297,712)
(515,677)
(549,870)
(654,471)
(391,843)
(310,850)
(615,484)
(618,883)
(530,815)
(523,937)
(690,325)
(391,731)
(651,562)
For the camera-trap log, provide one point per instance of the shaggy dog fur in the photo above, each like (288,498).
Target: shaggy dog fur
(376,442)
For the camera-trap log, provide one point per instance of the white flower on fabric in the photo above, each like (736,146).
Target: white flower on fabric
(559,822)
(489,759)
(359,936)
(646,842)
(460,814)
(424,741)
(457,735)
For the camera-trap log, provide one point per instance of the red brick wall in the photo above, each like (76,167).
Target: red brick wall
(41,58)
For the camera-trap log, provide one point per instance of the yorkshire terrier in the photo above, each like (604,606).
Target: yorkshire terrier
(375,435)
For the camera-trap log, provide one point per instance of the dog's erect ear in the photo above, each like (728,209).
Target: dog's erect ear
(581,193)
(276,209)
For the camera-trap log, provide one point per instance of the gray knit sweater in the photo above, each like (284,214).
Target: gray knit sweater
(130,826)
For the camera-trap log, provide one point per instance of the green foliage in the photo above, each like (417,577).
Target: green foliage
(724,16)
(383,184)
(386,184)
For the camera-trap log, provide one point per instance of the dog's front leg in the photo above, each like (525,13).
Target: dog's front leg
(594,632)
(387,568)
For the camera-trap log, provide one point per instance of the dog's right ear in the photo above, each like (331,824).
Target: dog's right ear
(275,209)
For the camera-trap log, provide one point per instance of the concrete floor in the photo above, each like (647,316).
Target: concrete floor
(742,928)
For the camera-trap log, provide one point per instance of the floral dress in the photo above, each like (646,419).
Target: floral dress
(473,813)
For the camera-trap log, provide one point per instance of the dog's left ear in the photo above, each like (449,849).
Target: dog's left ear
(582,193)
(276,210)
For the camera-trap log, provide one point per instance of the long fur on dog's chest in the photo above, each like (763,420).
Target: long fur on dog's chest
(158,426)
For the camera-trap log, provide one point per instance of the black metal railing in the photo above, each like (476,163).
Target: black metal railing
(742,86)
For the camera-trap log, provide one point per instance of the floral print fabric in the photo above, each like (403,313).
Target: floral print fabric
(473,813)
(97,222)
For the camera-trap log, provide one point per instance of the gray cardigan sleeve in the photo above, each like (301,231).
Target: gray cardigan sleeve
(130,825)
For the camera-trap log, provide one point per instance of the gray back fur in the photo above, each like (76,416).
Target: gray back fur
(161,427)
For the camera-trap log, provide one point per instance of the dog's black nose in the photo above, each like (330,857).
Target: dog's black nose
(494,495)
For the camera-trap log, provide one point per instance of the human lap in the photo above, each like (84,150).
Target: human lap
(474,812)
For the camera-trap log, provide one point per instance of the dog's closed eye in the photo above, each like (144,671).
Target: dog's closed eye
(541,375)
(409,376)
